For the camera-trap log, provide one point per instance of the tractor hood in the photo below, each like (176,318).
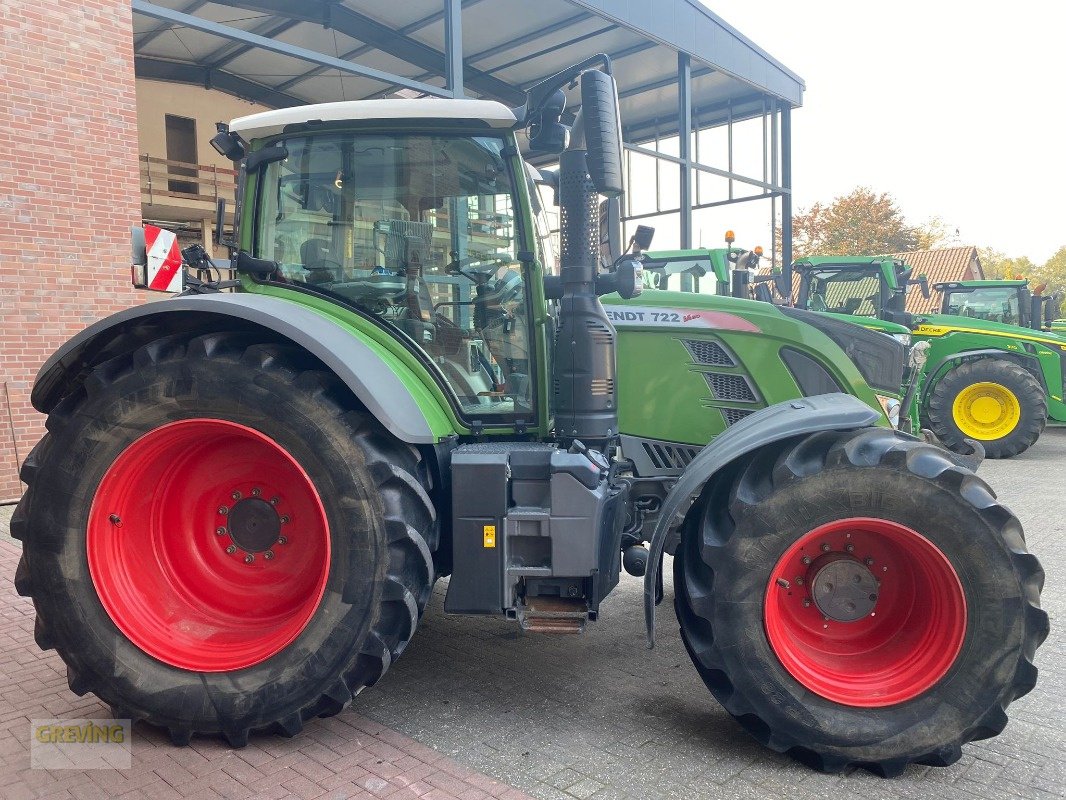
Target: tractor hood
(941,324)
(872,323)
(870,360)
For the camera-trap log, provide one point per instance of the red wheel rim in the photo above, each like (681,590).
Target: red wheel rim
(862,646)
(208,545)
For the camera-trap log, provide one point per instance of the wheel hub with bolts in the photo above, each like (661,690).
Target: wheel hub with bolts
(252,526)
(845,590)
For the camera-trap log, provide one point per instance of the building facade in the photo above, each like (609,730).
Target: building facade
(68,113)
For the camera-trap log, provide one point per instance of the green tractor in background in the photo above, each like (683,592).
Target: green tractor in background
(244,498)
(732,272)
(990,372)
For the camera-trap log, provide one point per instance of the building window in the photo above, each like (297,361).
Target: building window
(181,152)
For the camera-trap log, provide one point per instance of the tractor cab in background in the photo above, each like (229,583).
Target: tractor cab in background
(1010,302)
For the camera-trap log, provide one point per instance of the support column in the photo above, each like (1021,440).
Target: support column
(684,127)
(786,196)
(453,46)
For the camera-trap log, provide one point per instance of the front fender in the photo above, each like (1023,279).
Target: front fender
(389,390)
(808,415)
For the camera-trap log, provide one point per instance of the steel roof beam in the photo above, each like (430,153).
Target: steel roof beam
(229,52)
(365,29)
(292,51)
(152,35)
(194,74)
(363,49)
(530,37)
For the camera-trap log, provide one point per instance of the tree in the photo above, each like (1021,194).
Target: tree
(862,223)
(933,233)
(1052,272)
(996,265)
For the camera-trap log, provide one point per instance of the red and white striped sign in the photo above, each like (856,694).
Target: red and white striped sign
(163,272)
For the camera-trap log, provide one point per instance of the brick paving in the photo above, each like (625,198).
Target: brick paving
(475,708)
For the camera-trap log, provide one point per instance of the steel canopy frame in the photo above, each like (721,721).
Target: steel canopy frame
(734,83)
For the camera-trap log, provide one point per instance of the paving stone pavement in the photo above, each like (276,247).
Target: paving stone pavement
(597,716)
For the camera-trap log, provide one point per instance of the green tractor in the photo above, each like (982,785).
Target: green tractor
(989,372)
(246,492)
(731,274)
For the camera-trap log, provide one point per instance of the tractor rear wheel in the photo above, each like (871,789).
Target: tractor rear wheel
(218,540)
(855,599)
(996,402)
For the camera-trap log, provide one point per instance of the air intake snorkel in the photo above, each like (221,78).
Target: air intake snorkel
(590,165)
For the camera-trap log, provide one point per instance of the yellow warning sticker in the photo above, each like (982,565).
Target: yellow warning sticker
(490,535)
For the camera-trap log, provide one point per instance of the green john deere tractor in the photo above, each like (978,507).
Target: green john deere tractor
(989,373)
(244,497)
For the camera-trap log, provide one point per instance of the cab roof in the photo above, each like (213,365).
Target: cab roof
(844,261)
(991,284)
(270,123)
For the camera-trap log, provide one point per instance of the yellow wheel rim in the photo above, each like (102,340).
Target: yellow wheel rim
(986,411)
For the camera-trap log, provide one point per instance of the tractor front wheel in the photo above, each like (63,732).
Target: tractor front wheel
(855,599)
(996,402)
(218,540)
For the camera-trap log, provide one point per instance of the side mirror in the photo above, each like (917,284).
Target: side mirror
(923,284)
(603,131)
(219,236)
(627,279)
(1052,305)
(547,134)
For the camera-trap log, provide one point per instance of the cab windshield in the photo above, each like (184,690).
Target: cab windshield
(845,291)
(995,304)
(420,231)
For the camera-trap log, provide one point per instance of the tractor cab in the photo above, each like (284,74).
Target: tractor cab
(850,286)
(417,228)
(1010,302)
(724,271)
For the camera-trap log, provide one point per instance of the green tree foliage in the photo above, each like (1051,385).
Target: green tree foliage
(996,264)
(1052,272)
(862,223)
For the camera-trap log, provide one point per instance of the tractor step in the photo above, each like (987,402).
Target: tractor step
(554,615)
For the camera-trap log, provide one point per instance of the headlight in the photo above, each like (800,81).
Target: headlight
(902,338)
(891,407)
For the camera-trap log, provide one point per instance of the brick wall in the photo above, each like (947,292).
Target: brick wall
(68,191)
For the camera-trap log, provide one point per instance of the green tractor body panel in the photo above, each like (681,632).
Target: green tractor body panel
(426,392)
(1042,354)
(690,365)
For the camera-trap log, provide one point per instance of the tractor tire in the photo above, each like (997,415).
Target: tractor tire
(856,600)
(998,403)
(219,540)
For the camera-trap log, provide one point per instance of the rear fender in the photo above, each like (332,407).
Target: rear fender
(375,381)
(826,412)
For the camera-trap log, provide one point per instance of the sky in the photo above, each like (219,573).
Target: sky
(956,109)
